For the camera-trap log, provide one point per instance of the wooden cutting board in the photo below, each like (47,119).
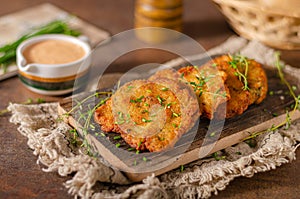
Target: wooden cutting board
(272,111)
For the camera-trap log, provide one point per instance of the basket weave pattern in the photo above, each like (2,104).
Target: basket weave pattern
(249,20)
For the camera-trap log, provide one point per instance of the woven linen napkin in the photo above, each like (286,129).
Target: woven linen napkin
(49,140)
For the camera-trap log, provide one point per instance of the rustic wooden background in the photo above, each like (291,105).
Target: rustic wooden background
(21,177)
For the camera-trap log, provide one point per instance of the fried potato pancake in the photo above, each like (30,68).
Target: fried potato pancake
(153,114)
(241,98)
(150,115)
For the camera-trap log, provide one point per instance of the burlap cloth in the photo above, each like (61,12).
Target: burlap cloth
(49,141)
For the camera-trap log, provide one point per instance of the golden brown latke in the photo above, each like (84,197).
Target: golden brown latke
(208,84)
(153,114)
(150,115)
(241,98)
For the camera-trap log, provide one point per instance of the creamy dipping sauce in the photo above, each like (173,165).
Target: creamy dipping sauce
(53,52)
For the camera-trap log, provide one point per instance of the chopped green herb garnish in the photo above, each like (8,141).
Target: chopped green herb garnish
(168,105)
(214,65)
(160,100)
(271,93)
(130,149)
(103,134)
(145,120)
(165,89)
(148,91)
(118,145)
(144,159)
(181,168)
(117,137)
(161,138)
(218,157)
(174,125)
(212,134)
(175,114)
(137,152)
(129,88)
(145,111)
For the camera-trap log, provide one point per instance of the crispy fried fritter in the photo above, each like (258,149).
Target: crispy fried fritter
(150,115)
(258,82)
(153,114)
(208,84)
(241,98)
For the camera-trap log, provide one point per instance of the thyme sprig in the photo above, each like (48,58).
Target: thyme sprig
(236,62)
(289,115)
(87,116)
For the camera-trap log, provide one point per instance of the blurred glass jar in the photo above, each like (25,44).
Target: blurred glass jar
(158,14)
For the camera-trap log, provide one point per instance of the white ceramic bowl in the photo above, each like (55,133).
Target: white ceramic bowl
(53,79)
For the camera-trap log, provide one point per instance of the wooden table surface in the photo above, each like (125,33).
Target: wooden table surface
(21,177)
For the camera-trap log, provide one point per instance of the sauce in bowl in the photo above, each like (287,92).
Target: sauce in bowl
(53,51)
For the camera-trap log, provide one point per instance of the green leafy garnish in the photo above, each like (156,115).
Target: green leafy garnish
(8,51)
(237,62)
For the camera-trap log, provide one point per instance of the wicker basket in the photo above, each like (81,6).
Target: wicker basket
(274,27)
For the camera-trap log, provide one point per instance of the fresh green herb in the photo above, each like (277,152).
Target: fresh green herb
(137,100)
(137,152)
(175,114)
(181,168)
(130,87)
(160,100)
(165,89)
(161,138)
(251,142)
(92,127)
(182,75)
(148,91)
(168,105)
(146,104)
(288,120)
(87,116)
(117,137)
(103,135)
(74,138)
(218,157)
(237,62)
(174,125)
(212,134)
(118,145)
(145,111)
(130,149)
(8,51)
(139,144)
(271,93)
(145,120)
(214,65)
(144,159)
